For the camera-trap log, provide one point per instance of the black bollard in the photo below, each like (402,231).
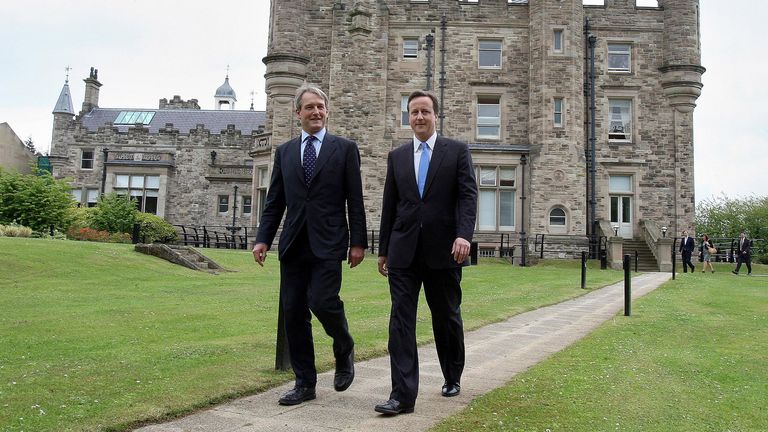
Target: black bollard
(136,232)
(282,355)
(583,269)
(627,287)
(674,261)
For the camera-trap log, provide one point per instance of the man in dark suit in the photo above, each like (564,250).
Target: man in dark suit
(316,178)
(687,245)
(427,222)
(743,254)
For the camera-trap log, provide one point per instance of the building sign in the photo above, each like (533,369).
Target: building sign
(236,170)
(136,157)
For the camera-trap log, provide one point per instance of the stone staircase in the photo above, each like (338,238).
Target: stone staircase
(181,255)
(646,262)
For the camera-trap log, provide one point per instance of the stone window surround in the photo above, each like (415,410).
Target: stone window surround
(563,32)
(558,229)
(632,56)
(555,112)
(222,204)
(84,160)
(626,94)
(491,92)
(490,38)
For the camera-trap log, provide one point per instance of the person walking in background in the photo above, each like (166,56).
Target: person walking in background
(316,178)
(687,245)
(707,249)
(427,222)
(743,253)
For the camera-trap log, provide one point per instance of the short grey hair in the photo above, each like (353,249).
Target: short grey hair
(308,89)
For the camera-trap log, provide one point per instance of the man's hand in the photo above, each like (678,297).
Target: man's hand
(460,250)
(383,265)
(260,253)
(356,255)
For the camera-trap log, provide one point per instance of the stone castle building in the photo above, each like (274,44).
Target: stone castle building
(187,165)
(515,81)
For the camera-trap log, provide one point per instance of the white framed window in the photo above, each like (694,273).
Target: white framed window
(223,203)
(620,184)
(558,112)
(92,196)
(488,117)
(619,57)
(557,217)
(410,47)
(77,195)
(557,40)
(86,159)
(262,183)
(620,120)
(144,189)
(247,205)
(404,115)
(496,200)
(489,54)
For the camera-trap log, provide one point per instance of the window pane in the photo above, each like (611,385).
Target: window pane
(507,208)
(620,183)
(77,195)
(487,131)
(93,195)
(507,177)
(263,177)
(614,209)
(487,216)
(488,110)
(247,205)
(626,210)
(137,181)
(153,182)
(620,127)
(557,217)
(558,40)
(150,205)
(410,48)
(488,176)
(490,58)
(404,121)
(121,181)
(223,203)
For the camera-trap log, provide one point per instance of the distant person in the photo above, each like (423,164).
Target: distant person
(316,182)
(743,254)
(706,253)
(427,222)
(687,245)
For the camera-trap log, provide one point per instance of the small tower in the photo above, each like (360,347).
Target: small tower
(91,99)
(62,112)
(225,96)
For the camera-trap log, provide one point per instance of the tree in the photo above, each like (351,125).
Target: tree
(35,200)
(723,217)
(30,145)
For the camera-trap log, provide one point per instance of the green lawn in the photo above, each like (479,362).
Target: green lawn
(692,357)
(97,337)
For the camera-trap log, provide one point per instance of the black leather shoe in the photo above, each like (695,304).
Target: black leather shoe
(297,395)
(451,389)
(394,407)
(345,372)
(734,272)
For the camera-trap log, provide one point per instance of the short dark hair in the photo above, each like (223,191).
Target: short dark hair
(429,94)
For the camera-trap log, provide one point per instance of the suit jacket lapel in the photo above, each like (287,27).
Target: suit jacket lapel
(326,153)
(293,159)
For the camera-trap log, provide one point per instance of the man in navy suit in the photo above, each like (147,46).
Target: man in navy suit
(427,221)
(743,254)
(687,245)
(316,179)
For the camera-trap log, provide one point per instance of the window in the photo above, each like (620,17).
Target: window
(410,47)
(404,117)
(133,117)
(517,1)
(620,121)
(619,57)
(557,41)
(223,203)
(489,55)
(247,201)
(557,217)
(497,198)
(143,189)
(488,117)
(93,197)
(620,184)
(77,195)
(86,159)
(558,114)
(262,182)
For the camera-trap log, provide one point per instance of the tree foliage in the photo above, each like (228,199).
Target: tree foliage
(726,217)
(155,229)
(35,200)
(114,213)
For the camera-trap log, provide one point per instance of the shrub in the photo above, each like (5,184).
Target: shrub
(15,230)
(90,234)
(34,200)
(114,213)
(155,229)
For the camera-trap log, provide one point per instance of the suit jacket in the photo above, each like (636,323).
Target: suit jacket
(446,211)
(687,246)
(745,250)
(334,193)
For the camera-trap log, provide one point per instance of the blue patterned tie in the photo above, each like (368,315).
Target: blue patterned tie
(423,167)
(310,157)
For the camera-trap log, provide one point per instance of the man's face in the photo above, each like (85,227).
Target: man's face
(685,233)
(421,115)
(742,235)
(313,113)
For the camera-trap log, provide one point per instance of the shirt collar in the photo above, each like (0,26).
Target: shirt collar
(320,135)
(430,142)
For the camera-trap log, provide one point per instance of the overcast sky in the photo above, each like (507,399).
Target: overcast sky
(151,49)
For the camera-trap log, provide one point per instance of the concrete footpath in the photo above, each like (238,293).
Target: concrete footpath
(494,354)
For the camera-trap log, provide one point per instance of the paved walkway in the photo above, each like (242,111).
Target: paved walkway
(494,355)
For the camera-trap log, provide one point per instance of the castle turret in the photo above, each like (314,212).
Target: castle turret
(225,95)
(62,114)
(91,99)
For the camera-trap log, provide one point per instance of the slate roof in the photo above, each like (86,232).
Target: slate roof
(183,119)
(64,103)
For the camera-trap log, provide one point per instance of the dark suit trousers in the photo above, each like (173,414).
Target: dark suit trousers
(311,284)
(443,292)
(687,261)
(746,259)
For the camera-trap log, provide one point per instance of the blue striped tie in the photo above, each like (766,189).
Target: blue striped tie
(423,167)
